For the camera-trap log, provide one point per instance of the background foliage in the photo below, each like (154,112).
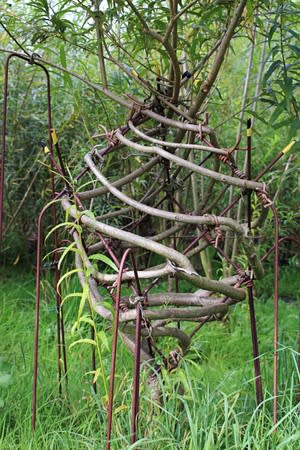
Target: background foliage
(65,33)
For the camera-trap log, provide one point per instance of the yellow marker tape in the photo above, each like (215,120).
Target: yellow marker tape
(249,132)
(54,136)
(288,147)
(46,150)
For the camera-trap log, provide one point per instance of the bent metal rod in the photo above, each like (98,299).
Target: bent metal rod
(60,168)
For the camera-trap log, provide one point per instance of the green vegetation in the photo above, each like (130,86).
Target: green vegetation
(208,403)
(106,59)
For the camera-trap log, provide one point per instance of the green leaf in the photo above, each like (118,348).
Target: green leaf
(283,123)
(87,319)
(62,54)
(63,61)
(295,49)
(268,100)
(105,260)
(77,227)
(294,128)
(103,339)
(65,252)
(72,295)
(257,116)
(279,110)
(89,213)
(271,69)
(108,306)
(83,341)
(249,9)
(272,31)
(84,297)
(89,271)
(68,274)
(97,374)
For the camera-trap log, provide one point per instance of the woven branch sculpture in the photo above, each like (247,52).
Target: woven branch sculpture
(177,236)
(168,214)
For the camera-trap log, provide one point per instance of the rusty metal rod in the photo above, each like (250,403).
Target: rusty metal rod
(297,242)
(37,307)
(276,316)
(60,324)
(3,155)
(114,349)
(253,327)
(285,238)
(109,250)
(298,366)
(137,357)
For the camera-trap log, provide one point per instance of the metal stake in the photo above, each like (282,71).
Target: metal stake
(255,348)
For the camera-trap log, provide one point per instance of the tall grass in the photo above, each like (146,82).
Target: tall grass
(208,403)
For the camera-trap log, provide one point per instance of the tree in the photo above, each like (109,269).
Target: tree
(161,63)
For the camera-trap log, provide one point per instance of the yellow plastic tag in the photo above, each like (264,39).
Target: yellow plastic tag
(46,150)
(54,136)
(288,147)
(16,260)
(249,132)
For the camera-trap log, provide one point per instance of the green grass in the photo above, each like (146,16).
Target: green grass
(208,403)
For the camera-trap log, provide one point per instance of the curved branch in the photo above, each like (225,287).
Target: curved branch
(207,84)
(242,183)
(199,220)
(184,269)
(121,181)
(175,313)
(173,298)
(144,136)
(176,333)
(131,238)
